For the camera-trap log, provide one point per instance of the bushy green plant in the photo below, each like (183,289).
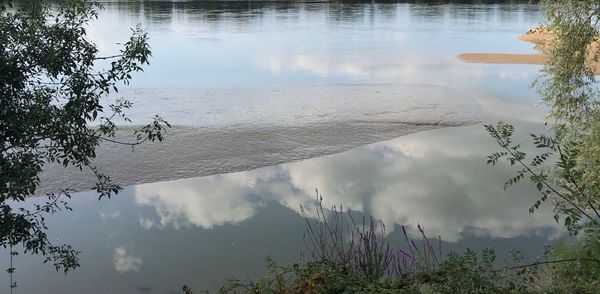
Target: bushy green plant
(563,184)
(582,276)
(459,273)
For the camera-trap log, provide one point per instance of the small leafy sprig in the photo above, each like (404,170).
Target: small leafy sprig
(562,183)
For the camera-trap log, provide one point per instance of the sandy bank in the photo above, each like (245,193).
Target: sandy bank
(539,36)
(541,39)
(500,58)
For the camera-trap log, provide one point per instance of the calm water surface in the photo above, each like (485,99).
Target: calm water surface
(153,238)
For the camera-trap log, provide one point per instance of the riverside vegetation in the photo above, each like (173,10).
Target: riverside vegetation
(348,256)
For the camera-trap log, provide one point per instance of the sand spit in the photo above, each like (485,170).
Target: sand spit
(503,58)
(539,36)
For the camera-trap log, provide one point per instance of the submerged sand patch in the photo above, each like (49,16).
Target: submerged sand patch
(236,129)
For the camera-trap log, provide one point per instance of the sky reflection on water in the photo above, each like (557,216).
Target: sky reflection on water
(428,178)
(208,45)
(200,44)
(153,238)
(200,231)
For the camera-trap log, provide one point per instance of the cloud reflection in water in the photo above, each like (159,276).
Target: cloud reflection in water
(436,178)
(125,262)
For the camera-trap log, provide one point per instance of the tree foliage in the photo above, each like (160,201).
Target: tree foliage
(52,83)
(567,168)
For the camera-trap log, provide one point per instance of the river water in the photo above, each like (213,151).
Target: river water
(366,102)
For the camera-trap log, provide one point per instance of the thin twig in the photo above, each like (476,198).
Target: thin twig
(548,262)
(108,57)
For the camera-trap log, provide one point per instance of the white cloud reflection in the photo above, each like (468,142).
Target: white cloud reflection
(404,66)
(415,66)
(125,262)
(437,179)
(113,214)
(202,202)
